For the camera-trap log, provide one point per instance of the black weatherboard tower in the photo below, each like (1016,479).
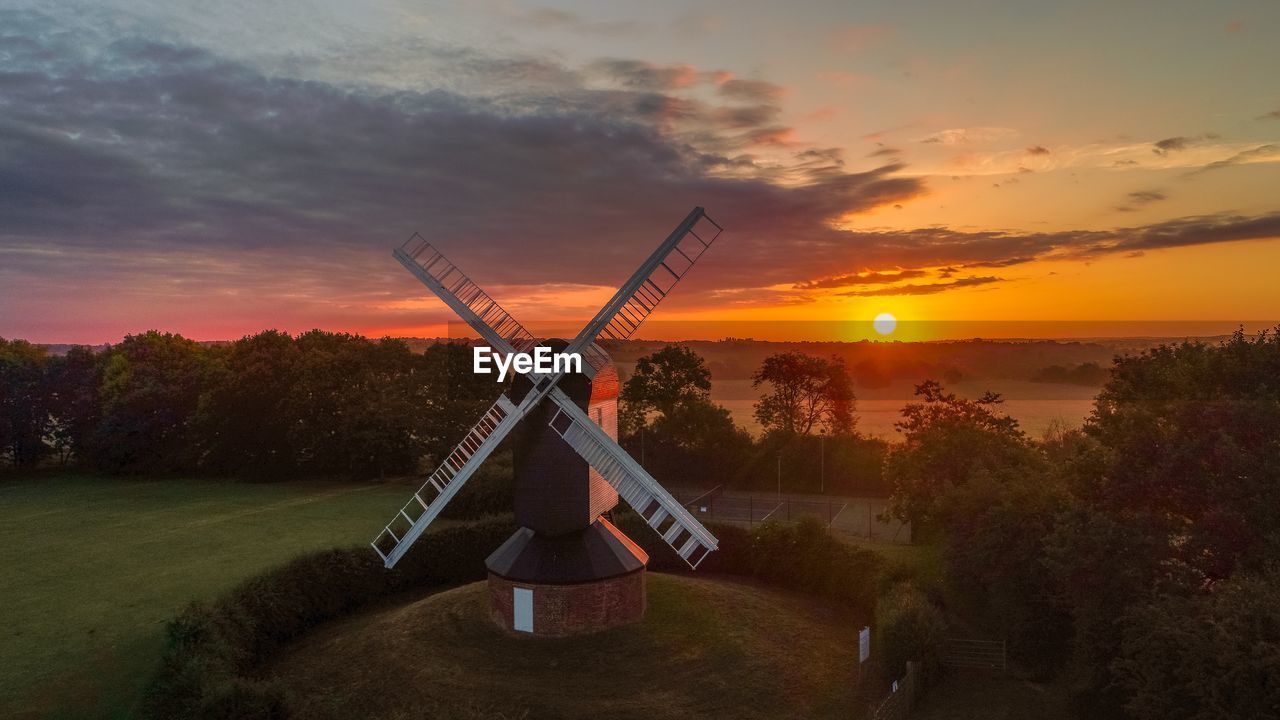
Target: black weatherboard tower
(567,569)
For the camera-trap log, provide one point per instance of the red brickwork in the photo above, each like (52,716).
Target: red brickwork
(560,610)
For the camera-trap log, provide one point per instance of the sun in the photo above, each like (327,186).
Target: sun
(885,323)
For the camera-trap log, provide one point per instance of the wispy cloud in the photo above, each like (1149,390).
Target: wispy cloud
(867,278)
(929,289)
(1141,198)
(969,136)
(1259,153)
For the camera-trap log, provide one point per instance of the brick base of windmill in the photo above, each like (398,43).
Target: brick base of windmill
(558,609)
(567,570)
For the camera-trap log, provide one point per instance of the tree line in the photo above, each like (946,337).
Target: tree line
(266,406)
(272,405)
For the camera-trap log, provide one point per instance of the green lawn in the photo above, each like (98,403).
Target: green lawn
(91,568)
(924,559)
(708,648)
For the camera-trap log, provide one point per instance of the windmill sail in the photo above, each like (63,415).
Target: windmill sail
(654,279)
(691,541)
(440,487)
(473,305)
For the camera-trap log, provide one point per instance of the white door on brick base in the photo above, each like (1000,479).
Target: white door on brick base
(523,607)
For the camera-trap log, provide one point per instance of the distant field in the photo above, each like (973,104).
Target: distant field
(92,568)
(1034,405)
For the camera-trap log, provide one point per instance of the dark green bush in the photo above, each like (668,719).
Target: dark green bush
(213,648)
(803,557)
(909,627)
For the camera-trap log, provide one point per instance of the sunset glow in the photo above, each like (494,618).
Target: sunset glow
(215,176)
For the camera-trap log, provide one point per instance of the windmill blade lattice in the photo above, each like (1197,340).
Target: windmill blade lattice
(691,541)
(459,292)
(652,281)
(458,466)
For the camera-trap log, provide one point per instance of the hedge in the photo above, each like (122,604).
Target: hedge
(213,649)
(803,557)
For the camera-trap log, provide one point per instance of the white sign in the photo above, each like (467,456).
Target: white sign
(864,644)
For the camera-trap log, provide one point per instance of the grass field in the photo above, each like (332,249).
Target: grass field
(92,568)
(709,648)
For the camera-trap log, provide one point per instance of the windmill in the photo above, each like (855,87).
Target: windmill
(567,569)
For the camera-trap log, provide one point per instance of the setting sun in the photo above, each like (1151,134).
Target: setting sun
(885,323)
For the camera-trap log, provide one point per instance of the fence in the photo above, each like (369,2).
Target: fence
(854,516)
(902,700)
(979,654)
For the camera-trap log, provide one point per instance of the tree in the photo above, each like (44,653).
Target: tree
(687,437)
(669,379)
(243,424)
(75,382)
(450,394)
(805,393)
(24,406)
(947,442)
(350,410)
(1205,657)
(1176,492)
(1191,435)
(151,385)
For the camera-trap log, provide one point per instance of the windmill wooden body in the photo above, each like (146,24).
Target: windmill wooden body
(567,569)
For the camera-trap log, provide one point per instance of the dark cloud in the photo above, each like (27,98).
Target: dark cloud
(138,166)
(753,91)
(868,278)
(1141,198)
(1204,230)
(929,289)
(1037,150)
(555,18)
(1002,262)
(953,250)
(884,151)
(1145,197)
(641,75)
(1179,143)
(1273,115)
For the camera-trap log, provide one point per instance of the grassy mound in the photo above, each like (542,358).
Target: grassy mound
(708,648)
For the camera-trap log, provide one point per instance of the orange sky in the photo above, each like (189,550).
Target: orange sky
(1045,163)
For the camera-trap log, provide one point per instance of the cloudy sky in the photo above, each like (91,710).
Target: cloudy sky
(220,168)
